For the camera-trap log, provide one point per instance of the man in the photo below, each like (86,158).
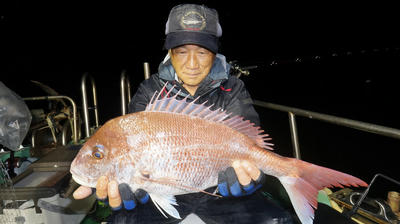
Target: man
(195,69)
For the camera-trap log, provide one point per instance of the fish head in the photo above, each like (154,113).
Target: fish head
(99,155)
(90,163)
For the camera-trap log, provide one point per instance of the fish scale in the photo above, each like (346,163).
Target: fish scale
(194,149)
(177,147)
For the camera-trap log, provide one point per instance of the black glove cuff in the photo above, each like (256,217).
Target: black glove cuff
(261,179)
(126,192)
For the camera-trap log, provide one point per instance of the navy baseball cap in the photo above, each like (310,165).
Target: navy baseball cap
(193,24)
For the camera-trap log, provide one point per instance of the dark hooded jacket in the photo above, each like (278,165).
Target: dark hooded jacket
(219,88)
(229,93)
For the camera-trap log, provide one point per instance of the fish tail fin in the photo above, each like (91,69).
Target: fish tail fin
(303,186)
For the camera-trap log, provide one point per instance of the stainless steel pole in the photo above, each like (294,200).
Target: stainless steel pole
(146,68)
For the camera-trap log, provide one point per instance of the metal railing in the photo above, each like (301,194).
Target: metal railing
(85,103)
(146,68)
(125,92)
(74,111)
(359,125)
(125,87)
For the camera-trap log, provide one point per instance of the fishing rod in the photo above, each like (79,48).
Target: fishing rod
(238,70)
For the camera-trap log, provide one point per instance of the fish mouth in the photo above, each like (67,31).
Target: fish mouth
(84,181)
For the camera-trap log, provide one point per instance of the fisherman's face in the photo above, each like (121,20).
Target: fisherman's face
(192,64)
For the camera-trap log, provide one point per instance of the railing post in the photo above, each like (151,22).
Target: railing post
(146,68)
(125,92)
(293,132)
(85,104)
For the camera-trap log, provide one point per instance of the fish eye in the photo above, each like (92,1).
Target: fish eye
(98,152)
(97,155)
(145,174)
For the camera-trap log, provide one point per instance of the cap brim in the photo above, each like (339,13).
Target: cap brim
(181,38)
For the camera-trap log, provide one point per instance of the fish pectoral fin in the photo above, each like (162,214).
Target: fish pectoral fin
(165,202)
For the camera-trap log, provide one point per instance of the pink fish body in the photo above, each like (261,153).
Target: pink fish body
(175,147)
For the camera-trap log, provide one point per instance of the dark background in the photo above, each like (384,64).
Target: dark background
(336,58)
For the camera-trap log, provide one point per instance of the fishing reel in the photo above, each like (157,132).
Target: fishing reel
(374,210)
(238,71)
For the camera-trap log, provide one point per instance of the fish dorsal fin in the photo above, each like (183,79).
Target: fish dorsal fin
(163,103)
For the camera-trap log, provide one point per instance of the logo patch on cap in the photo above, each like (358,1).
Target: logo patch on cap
(193,21)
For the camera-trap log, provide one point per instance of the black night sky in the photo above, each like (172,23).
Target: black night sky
(333,57)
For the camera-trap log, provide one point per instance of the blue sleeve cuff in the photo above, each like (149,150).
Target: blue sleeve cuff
(129,205)
(223,189)
(248,187)
(235,189)
(145,199)
(253,189)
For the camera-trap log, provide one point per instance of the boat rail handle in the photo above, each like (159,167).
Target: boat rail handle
(125,92)
(146,68)
(85,103)
(359,125)
(125,87)
(74,111)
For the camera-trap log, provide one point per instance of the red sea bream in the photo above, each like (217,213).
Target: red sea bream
(176,147)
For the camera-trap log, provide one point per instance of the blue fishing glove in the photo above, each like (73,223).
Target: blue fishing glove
(130,199)
(228,184)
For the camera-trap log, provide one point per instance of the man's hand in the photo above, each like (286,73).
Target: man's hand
(118,195)
(242,178)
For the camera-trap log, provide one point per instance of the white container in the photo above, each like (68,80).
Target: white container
(25,214)
(65,210)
